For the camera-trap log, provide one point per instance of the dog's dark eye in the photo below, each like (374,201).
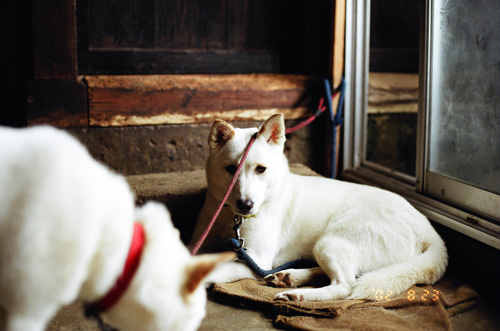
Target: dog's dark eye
(260,170)
(231,169)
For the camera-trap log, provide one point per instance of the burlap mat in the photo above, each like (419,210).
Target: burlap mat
(423,307)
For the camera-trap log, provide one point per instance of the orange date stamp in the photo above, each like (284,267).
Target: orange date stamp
(411,295)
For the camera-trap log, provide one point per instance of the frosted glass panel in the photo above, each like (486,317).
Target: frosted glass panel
(465,92)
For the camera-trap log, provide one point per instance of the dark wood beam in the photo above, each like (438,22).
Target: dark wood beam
(176,99)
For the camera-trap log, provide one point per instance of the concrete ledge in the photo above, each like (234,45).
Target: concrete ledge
(171,148)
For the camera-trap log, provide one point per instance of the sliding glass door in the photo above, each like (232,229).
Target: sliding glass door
(463,105)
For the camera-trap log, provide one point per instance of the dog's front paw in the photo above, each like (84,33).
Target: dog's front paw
(286,297)
(279,279)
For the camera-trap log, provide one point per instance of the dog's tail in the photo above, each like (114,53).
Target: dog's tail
(426,268)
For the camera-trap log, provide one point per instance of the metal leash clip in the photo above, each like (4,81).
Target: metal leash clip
(238,220)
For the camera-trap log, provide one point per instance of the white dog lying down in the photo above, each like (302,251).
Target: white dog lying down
(365,239)
(66,224)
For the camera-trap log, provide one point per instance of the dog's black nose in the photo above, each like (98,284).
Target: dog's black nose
(244,205)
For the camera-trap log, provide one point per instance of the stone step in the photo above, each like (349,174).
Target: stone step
(183,193)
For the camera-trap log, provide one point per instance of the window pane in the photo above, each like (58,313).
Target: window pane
(391,118)
(465,92)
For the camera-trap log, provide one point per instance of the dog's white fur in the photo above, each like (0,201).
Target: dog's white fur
(66,223)
(365,239)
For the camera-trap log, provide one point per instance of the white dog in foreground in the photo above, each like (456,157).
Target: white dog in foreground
(366,240)
(66,225)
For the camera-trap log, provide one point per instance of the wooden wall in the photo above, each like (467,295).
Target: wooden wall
(107,68)
(135,62)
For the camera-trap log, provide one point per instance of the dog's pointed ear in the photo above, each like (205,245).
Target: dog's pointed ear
(273,130)
(200,267)
(220,133)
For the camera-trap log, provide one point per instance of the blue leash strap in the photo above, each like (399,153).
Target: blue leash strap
(235,245)
(336,119)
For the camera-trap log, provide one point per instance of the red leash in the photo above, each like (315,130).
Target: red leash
(229,189)
(321,108)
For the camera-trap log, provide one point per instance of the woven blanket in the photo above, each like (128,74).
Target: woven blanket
(422,307)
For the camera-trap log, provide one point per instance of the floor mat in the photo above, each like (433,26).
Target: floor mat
(422,307)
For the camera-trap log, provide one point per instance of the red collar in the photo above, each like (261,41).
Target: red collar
(122,283)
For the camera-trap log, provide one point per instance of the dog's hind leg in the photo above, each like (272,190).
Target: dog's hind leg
(297,277)
(339,288)
(336,258)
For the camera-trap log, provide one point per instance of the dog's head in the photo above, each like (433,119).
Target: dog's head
(261,173)
(167,292)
